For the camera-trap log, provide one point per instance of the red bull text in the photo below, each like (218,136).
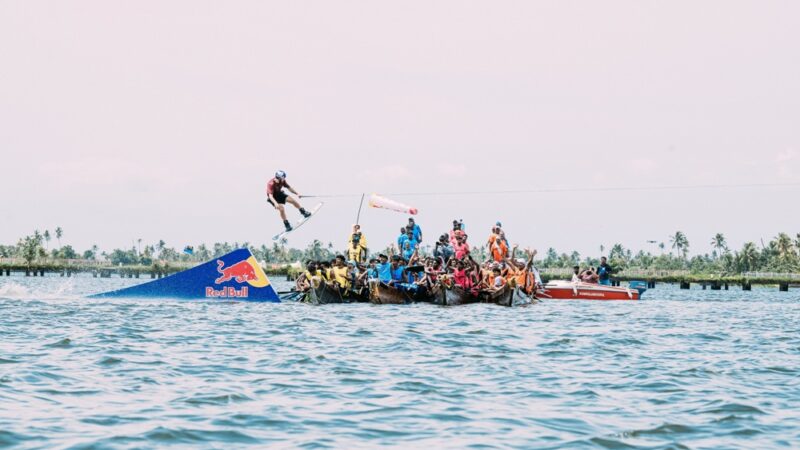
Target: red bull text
(226,292)
(240,272)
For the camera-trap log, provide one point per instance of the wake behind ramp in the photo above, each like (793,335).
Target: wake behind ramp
(235,276)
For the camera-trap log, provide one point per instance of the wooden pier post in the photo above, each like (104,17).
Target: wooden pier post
(715,286)
(685,285)
(41,272)
(746,286)
(783,287)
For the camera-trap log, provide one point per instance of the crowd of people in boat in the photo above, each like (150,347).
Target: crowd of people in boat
(451,261)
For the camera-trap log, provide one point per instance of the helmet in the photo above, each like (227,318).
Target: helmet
(280,174)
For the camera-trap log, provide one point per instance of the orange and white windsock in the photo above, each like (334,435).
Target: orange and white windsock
(376,201)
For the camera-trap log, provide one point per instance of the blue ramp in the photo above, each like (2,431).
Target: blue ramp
(235,276)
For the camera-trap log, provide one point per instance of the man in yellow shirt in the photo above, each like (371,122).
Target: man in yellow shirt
(356,252)
(358,236)
(339,273)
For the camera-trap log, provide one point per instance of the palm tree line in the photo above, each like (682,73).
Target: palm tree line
(781,254)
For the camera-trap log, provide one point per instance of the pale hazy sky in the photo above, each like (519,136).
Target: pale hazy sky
(163,119)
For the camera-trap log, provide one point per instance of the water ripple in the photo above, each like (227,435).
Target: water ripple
(671,372)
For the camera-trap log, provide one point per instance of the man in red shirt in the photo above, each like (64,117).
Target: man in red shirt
(277,198)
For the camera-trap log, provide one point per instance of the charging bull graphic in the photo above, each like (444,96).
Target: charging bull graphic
(241,272)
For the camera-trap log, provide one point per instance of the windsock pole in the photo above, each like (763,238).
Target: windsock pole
(358,217)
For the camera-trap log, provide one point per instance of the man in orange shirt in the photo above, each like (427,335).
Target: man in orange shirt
(497,246)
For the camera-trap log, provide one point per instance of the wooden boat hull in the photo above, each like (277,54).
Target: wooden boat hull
(502,297)
(521,298)
(322,293)
(508,296)
(385,294)
(455,295)
(585,291)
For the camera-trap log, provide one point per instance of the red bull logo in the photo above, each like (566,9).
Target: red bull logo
(241,272)
(246,271)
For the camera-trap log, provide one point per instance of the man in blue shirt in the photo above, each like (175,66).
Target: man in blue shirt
(401,239)
(410,244)
(384,269)
(372,269)
(397,271)
(417,231)
(443,249)
(604,272)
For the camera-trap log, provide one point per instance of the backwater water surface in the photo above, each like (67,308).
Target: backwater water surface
(679,369)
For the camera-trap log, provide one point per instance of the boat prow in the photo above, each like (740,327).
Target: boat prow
(507,296)
(323,293)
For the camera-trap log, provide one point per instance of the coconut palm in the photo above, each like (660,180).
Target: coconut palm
(748,257)
(784,247)
(617,251)
(680,243)
(282,249)
(59,233)
(661,246)
(315,250)
(46,236)
(719,244)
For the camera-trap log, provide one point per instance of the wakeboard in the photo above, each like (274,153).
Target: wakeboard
(299,223)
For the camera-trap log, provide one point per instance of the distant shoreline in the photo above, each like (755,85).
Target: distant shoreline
(64,267)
